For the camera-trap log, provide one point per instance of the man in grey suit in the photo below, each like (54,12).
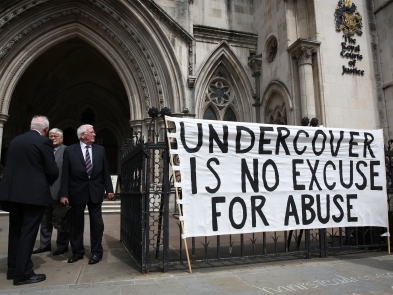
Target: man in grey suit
(56,135)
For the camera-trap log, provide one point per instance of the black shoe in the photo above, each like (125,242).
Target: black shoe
(32,280)
(94,259)
(75,258)
(60,251)
(40,250)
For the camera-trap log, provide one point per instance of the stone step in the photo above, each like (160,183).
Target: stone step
(108,207)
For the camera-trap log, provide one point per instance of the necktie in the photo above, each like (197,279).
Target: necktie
(89,167)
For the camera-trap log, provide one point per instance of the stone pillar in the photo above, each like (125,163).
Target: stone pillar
(302,50)
(136,125)
(161,129)
(150,129)
(3,119)
(255,63)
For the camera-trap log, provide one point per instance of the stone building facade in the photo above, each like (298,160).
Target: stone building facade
(106,62)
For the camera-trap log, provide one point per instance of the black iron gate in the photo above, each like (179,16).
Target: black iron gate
(153,236)
(144,202)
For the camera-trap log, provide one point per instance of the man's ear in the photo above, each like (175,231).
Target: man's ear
(46,131)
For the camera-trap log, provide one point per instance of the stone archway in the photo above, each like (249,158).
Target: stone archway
(277,106)
(140,65)
(72,84)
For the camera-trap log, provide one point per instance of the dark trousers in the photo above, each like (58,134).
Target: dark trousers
(24,224)
(47,229)
(96,229)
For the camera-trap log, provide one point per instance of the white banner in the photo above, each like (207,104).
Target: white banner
(246,177)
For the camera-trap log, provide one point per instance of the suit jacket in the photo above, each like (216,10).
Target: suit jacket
(55,188)
(76,185)
(30,170)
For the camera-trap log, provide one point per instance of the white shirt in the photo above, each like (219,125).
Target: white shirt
(83,147)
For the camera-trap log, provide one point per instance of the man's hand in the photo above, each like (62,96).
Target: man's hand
(64,201)
(110,196)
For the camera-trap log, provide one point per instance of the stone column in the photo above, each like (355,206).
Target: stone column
(136,125)
(302,50)
(3,119)
(255,63)
(150,129)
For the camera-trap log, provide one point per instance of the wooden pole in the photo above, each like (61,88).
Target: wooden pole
(177,198)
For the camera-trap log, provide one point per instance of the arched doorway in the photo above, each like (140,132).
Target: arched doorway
(69,136)
(72,84)
(108,57)
(106,138)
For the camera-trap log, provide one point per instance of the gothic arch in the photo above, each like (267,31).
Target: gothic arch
(118,30)
(223,61)
(276,96)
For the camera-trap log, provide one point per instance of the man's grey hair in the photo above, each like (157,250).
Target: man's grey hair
(57,131)
(39,123)
(82,129)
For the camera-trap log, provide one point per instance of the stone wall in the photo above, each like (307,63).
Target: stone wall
(341,100)
(279,69)
(224,14)
(384,25)
(350,100)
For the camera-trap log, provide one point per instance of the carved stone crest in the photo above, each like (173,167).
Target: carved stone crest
(347,18)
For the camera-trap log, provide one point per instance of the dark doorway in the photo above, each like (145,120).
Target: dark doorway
(69,136)
(72,83)
(108,140)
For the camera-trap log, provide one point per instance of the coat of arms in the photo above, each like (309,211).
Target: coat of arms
(347,18)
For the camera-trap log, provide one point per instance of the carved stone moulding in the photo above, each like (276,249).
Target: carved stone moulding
(3,118)
(18,10)
(302,50)
(255,63)
(59,14)
(241,38)
(191,81)
(179,31)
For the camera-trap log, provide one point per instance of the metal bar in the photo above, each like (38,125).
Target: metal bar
(241,245)
(146,212)
(322,243)
(308,244)
(289,238)
(300,239)
(160,217)
(166,187)
(218,247)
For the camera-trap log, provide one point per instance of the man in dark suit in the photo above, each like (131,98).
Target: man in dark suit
(56,135)
(84,181)
(30,170)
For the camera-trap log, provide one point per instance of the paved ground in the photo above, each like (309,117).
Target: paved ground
(361,272)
